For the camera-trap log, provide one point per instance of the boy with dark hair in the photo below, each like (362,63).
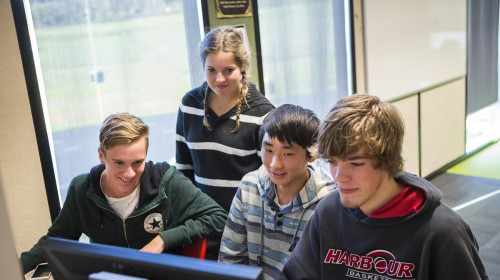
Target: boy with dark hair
(273,204)
(382,223)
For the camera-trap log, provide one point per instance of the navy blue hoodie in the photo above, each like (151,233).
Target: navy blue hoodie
(342,243)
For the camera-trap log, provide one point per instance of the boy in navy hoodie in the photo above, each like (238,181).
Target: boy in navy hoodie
(382,223)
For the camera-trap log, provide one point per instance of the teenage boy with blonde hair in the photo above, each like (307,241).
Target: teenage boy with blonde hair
(126,201)
(382,223)
(273,204)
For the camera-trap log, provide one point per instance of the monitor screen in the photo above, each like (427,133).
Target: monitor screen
(73,260)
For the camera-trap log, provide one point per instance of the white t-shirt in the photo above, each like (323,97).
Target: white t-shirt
(278,203)
(124,205)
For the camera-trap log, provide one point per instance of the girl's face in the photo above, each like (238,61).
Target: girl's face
(223,74)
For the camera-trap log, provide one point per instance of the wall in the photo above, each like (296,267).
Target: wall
(20,167)
(414,44)
(9,266)
(413,54)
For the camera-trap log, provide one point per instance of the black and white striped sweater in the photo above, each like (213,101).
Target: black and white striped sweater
(216,160)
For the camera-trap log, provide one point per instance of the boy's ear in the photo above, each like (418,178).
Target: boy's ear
(101,155)
(313,151)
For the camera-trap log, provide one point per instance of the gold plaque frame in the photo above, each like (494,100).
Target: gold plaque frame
(233,8)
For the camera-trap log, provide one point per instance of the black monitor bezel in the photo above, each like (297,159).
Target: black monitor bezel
(73,260)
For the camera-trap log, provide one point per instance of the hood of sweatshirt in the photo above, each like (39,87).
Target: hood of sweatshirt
(432,200)
(319,185)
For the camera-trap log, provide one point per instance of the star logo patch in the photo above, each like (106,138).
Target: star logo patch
(154,223)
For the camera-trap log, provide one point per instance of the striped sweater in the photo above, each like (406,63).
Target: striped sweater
(256,228)
(216,160)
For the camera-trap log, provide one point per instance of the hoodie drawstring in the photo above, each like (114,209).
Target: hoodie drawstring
(292,243)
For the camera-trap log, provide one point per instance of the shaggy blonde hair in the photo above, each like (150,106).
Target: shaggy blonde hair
(363,120)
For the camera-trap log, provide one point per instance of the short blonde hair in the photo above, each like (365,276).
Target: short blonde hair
(122,128)
(363,120)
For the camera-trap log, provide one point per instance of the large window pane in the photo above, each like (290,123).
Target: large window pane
(104,56)
(298,53)
(482,125)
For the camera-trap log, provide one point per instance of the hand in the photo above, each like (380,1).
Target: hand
(157,245)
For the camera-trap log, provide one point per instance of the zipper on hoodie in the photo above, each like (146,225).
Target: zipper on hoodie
(124,225)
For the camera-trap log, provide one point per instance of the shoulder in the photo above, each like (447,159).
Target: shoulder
(257,101)
(80,183)
(81,186)
(249,185)
(252,176)
(153,175)
(250,180)
(195,97)
(444,221)
(329,204)
(84,182)
(156,169)
(445,227)
(174,180)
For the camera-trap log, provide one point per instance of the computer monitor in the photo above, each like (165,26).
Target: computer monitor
(73,260)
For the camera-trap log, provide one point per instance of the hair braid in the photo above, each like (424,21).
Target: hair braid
(206,107)
(230,40)
(242,99)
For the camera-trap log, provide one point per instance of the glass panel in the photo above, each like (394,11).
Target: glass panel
(298,53)
(482,125)
(104,56)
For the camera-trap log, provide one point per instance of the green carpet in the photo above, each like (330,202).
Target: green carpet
(485,163)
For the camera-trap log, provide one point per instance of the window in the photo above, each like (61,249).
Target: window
(483,106)
(298,53)
(99,57)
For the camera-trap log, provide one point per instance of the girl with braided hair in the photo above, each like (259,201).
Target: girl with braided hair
(217,133)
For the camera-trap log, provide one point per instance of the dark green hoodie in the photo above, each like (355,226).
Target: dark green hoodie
(169,205)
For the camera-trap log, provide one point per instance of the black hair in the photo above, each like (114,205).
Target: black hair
(292,124)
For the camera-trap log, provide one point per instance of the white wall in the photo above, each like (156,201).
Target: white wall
(442,125)
(413,44)
(9,266)
(20,167)
(409,110)
(414,52)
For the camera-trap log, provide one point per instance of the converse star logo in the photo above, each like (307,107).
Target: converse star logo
(154,223)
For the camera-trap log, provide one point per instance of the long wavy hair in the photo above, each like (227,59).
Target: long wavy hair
(227,39)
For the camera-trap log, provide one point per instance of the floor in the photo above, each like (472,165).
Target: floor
(472,188)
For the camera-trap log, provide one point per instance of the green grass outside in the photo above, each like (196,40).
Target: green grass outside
(146,68)
(144,61)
